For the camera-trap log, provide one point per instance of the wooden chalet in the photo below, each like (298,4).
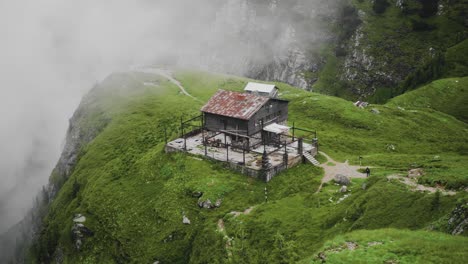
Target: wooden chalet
(243,115)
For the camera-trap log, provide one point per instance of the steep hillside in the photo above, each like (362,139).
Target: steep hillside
(446,95)
(133,196)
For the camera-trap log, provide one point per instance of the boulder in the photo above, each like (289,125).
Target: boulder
(343,189)
(415,173)
(341,179)
(218,203)
(185,220)
(79,218)
(375,111)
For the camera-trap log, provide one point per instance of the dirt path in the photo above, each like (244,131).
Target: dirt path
(338,168)
(418,187)
(169,75)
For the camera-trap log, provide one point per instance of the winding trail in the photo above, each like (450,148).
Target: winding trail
(419,187)
(352,172)
(168,75)
(339,168)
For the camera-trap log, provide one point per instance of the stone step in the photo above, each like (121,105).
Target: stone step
(311,159)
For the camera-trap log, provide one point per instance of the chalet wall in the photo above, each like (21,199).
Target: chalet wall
(218,122)
(275,111)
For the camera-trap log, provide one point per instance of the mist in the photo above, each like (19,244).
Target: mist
(53,51)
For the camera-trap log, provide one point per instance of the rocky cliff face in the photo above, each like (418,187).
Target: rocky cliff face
(275,40)
(15,243)
(385,49)
(79,134)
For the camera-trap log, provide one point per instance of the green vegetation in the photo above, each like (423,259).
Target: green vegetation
(134,195)
(453,63)
(456,60)
(446,95)
(394,246)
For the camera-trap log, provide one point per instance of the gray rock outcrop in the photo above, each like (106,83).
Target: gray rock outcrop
(458,221)
(80,231)
(341,179)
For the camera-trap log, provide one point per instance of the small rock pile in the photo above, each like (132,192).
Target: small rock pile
(80,231)
(208,204)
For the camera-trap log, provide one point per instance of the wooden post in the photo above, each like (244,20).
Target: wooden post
(261,134)
(227,147)
(204,141)
(183,134)
(293,129)
(299,146)
(181,127)
(285,156)
(243,155)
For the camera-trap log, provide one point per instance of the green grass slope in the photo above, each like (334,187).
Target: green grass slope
(446,95)
(456,60)
(395,246)
(134,195)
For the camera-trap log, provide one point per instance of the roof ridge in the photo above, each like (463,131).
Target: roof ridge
(234,104)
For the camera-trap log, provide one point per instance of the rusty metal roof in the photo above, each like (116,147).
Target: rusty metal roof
(234,104)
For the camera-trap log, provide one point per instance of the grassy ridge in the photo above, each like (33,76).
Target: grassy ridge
(134,195)
(446,95)
(395,246)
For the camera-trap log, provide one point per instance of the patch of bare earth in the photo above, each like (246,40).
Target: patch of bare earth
(412,182)
(246,212)
(221,228)
(339,168)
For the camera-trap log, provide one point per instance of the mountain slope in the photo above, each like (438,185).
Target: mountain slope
(446,95)
(134,196)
